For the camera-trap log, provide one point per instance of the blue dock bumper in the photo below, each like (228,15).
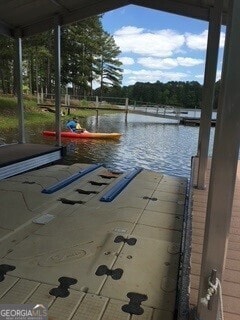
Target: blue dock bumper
(120,185)
(70,179)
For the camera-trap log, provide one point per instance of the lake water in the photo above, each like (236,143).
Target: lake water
(146,142)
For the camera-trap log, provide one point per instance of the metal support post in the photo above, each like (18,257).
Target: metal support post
(57,48)
(19,85)
(224,165)
(208,90)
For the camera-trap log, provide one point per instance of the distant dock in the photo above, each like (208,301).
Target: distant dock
(194,122)
(147,111)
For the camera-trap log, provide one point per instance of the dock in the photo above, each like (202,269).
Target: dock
(231,279)
(194,122)
(17,158)
(84,258)
(179,117)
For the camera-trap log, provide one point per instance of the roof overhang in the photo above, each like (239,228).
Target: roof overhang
(29,17)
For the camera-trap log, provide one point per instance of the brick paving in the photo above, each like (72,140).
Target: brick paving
(231,282)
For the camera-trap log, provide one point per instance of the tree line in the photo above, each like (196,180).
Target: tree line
(88,54)
(174,93)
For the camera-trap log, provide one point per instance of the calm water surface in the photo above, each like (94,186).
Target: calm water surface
(146,142)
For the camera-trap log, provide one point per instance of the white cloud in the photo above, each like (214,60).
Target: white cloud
(199,76)
(153,63)
(129,30)
(160,43)
(199,41)
(127,61)
(143,75)
(158,53)
(169,63)
(189,62)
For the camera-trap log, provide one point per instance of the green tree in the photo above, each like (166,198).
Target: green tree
(6,64)
(80,44)
(38,57)
(107,66)
(88,54)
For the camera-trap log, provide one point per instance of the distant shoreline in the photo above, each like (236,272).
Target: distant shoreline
(33,114)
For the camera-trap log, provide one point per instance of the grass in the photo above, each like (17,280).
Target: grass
(33,115)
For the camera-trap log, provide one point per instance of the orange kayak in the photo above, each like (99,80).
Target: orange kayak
(84,135)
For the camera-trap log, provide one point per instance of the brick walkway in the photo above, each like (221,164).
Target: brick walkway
(231,284)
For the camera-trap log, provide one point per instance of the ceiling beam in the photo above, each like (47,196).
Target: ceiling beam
(58,4)
(177,7)
(78,14)
(96,8)
(101,6)
(5,29)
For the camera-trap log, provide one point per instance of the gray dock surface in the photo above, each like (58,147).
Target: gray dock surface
(106,250)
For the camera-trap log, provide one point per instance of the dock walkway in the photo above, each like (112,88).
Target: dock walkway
(86,259)
(16,158)
(231,283)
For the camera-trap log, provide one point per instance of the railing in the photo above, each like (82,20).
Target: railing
(72,101)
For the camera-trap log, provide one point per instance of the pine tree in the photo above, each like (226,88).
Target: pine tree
(6,64)
(107,65)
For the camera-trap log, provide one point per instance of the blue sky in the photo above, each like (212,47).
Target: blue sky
(159,46)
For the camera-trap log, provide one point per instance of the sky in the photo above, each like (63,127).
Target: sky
(158,46)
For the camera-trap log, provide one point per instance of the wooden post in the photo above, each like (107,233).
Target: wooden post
(42,95)
(126,106)
(97,117)
(97,102)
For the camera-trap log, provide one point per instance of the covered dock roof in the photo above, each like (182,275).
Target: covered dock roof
(30,17)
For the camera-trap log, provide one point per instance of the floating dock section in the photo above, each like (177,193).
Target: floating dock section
(231,279)
(194,122)
(88,259)
(17,158)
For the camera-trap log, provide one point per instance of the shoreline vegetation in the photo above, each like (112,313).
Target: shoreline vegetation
(33,114)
